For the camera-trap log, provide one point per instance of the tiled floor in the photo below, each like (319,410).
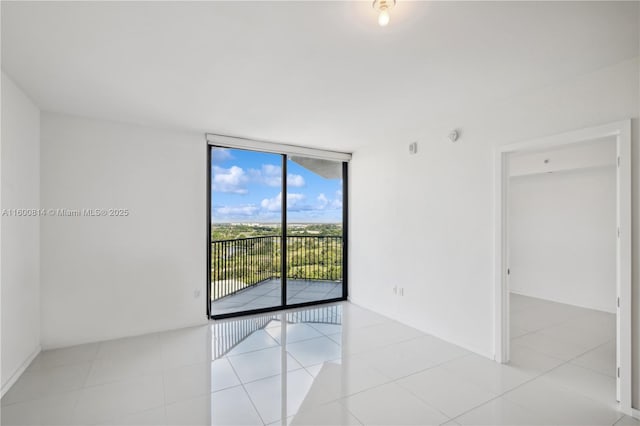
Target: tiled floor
(268,294)
(335,364)
(575,347)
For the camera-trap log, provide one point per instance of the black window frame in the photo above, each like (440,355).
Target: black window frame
(284,305)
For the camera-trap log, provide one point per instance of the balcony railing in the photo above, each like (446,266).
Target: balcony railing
(245,262)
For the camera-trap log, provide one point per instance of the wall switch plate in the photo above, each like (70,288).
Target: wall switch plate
(196,293)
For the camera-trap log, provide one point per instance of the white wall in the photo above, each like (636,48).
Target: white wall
(108,277)
(562,237)
(426,222)
(20,247)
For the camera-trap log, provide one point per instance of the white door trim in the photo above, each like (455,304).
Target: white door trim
(621,130)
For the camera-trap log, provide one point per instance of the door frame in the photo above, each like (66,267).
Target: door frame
(621,130)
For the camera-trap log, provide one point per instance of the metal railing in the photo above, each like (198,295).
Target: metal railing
(241,263)
(228,334)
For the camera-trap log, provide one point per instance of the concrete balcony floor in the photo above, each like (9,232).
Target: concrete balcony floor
(268,294)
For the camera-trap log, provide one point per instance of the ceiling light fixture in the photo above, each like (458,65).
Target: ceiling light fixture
(383,6)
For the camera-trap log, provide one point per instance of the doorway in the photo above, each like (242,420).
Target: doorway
(619,133)
(277,231)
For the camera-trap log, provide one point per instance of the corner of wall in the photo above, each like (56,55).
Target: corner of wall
(20,242)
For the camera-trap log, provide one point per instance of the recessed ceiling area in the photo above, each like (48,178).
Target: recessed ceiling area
(318,74)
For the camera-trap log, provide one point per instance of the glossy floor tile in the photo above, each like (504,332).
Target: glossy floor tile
(446,392)
(390,404)
(576,352)
(336,364)
(562,405)
(500,411)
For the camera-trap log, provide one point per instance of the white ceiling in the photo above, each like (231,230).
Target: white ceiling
(319,74)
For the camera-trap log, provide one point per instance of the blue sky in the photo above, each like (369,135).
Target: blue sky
(246,187)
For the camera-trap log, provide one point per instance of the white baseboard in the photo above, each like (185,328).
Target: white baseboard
(16,375)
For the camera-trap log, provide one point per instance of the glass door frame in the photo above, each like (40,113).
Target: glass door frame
(283,242)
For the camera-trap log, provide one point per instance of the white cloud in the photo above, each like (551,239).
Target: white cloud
(271,175)
(231,180)
(295,180)
(295,202)
(247,210)
(325,203)
(336,203)
(322,201)
(272,204)
(221,154)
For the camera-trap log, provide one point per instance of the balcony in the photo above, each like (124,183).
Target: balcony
(245,272)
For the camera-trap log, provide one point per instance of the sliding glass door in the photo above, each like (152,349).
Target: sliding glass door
(277,237)
(314,230)
(246,230)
